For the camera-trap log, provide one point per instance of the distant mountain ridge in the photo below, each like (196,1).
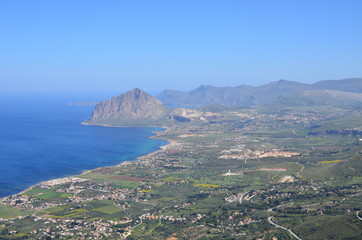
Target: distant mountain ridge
(244,95)
(320,98)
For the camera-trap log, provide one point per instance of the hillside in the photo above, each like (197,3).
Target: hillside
(347,85)
(320,97)
(245,95)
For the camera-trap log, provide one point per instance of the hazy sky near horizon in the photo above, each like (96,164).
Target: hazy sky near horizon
(178,44)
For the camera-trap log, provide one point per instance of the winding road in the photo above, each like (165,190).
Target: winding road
(286,229)
(357,215)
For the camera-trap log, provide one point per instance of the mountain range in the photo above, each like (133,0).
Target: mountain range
(138,108)
(245,95)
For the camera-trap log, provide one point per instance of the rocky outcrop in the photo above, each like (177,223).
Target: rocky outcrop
(133,108)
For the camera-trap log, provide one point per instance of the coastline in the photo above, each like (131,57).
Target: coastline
(121,126)
(140,158)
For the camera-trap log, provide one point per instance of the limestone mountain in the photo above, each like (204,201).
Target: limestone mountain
(133,108)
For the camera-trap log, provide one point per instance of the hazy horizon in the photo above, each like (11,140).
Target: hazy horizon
(153,92)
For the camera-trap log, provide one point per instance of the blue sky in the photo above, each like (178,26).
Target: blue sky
(176,44)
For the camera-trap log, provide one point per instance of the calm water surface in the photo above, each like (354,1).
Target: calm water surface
(41,138)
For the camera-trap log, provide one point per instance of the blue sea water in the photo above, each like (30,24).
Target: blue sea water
(41,138)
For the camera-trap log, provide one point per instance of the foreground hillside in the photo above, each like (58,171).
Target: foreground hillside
(231,174)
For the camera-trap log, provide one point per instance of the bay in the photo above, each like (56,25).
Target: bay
(41,138)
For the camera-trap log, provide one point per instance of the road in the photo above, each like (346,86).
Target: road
(357,215)
(302,167)
(286,229)
(124,210)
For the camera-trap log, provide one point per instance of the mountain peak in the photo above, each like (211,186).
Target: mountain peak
(136,91)
(282,81)
(135,107)
(137,94)
(203,87)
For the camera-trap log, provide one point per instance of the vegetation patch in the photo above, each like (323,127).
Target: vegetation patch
(9,212)
(171,179)
(125,184)
(146,191)
(53,195)
(130,179)
(36,192)
(107,209)
(205,185)
(331,161)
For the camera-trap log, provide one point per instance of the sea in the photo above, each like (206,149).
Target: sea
(42,138)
